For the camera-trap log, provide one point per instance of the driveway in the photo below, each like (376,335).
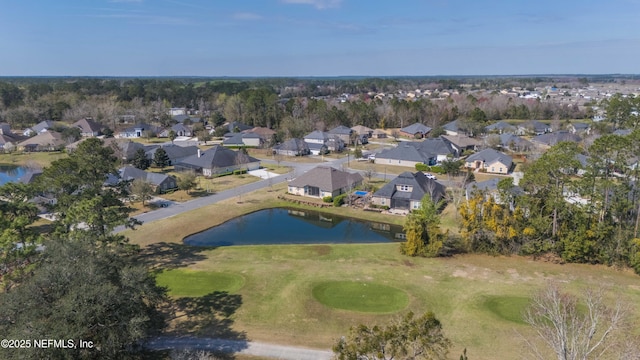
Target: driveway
(263,174)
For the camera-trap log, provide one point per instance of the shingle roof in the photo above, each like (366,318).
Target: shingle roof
(326,179)
(491,155)
(416,128)
(361,130)
(128,173)
(500,125)
(490,185)
(405,151)
(234,140)
(451,126)
(556,137)
(293,145)
(317,135)
(42,125)
(232,126)
(88,126)
(217,156)
(507,139)
(420,183)
(174,152)
(341,130)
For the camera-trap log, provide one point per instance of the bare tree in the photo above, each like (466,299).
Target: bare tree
(573,328)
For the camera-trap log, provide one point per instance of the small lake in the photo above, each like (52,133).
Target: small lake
(284,226)
(11,173)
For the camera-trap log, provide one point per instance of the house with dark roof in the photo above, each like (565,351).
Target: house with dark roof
(138,130)
(174,152)
(236,127)
(88,127)
(217,160)
(579,128)
(514,142)
(551,139)
(343,132)
(9,142)
(160,182)
(417,130)
(319,142)
(267,136)
(42,126)
(292,147)
(405,192)
(491,161)
(410,153)
(500,127)
(533,127)
(178,129)
(451,128)
(461,143)
(323,181)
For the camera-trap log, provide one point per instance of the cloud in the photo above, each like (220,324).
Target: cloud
(319,4)
(246,16)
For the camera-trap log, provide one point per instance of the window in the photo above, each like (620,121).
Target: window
(403,187)
(500,169)
(383,201)
(492,169)
(416,204)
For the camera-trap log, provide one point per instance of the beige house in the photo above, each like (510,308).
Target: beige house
(324,181)
(491,161)
(45,141)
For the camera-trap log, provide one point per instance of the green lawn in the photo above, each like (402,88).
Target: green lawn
(32,159)
(309,295)
(181,282)
(360,296)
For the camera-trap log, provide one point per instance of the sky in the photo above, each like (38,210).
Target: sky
(318,37)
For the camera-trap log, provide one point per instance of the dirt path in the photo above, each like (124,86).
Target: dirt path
(239,347)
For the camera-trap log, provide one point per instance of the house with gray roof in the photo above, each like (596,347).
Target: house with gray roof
(500,127)
(362,130)
(160,182)
(417,130)
(490,188)
(551,139)
(292,147)
(174,152)
(452,128)
(42,126)
(514,142)
(317,139)
(323,181)
(217,160)
(410,153)
(88,127)
(533,127)
(236,126)
(178,129)
(405,192)
(138,130)
(491,161)
(343,132)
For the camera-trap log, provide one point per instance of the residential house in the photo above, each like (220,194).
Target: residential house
(319,142)
(177,111)
(5,129)
(8,142)
(292,147)
(236,127)
(378,134)
(416,130)
(343,132)
(490,188)
(42,126)
(217,160)
(243,140)
(88,127)
(161,183)
(500,127)
(461,143)
(550,139)
(410,153)
(514,143)
(405,192)
(579,128)
(451,128)
(45,141)
(323,181)
(175,153)
(178,129)
(362,130)
(267,135)
(491,161)
(138,130)
(533,127)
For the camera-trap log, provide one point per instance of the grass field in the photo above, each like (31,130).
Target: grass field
(299,294)
(31,159)
(479,299)
(181,282)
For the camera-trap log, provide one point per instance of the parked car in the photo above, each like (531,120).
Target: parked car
(372,157)
(430,176)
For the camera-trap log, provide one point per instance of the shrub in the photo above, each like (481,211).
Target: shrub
(327,199)
(239,172)
(339,200)
(436,169)
(421,167)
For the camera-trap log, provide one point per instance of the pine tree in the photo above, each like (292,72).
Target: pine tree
(140,160)
(161,159)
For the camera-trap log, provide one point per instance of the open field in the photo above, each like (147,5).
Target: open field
(32,159)
(478,298)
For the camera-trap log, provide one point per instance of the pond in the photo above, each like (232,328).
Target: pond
(11,173)
(285,226)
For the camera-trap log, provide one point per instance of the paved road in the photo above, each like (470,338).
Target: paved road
(238,347)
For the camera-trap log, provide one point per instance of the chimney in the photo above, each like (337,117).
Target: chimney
(199,153)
